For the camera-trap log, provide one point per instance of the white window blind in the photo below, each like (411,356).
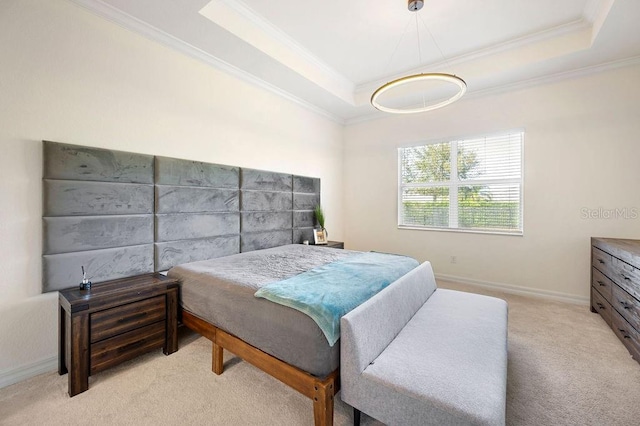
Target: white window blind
(472,184)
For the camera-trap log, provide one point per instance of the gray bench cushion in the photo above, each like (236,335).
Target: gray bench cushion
(368,329)
(447,366)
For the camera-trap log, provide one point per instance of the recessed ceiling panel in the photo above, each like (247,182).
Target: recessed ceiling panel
(359,37)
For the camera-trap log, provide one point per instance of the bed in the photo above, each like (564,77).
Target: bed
(120,214)
(218,301)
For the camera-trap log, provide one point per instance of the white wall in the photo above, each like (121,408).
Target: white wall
(69,76)
(582,150)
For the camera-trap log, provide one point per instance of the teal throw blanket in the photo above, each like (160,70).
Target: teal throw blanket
(328,292)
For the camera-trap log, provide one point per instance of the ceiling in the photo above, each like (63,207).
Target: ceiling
(331,55)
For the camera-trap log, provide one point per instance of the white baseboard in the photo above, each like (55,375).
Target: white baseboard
(15,375)
(522,291)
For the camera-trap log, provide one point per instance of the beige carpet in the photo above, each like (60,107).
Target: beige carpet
(566,367)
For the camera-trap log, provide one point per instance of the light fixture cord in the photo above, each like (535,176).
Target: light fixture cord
(386,68)
(424,101)
(446,61)
(418,36)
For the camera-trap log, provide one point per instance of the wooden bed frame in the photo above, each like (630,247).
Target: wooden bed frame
(320,390)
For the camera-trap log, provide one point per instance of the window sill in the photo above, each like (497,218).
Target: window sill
(465,231)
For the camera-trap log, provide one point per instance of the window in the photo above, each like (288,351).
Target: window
(473,184)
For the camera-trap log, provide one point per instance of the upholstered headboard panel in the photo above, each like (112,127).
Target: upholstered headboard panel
(306,196)
(121,214)
(197,211)
(97,213)
(267,209)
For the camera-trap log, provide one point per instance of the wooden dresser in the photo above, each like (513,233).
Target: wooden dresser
(615,288)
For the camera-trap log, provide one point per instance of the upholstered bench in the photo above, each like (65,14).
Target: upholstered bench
(418,355)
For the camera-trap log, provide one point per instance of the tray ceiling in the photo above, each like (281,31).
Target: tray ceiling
(330,55)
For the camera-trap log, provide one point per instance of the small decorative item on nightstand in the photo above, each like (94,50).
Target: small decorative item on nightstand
(85,284)
(319,236)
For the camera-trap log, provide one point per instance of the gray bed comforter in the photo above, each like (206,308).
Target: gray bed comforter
(221,291)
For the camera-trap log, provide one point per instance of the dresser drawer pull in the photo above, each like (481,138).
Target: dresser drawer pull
(625,305)
(132,317)
(626,278)
(601,306)
(624,332)
(601,261)
(601,283)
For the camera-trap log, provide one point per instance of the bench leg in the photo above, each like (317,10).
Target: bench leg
(356,417)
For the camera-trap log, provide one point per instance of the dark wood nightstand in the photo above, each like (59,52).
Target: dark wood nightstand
(335,244)
(113,322)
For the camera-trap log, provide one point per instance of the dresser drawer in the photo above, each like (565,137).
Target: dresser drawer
(115,350)
(114,321)
(601,260)
(601,305)
(627,306)
(625,332)
(626,276)
(601,283)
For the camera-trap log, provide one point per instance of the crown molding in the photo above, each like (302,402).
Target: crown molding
(557,77)
(524,84)
(560,30)
(150,32)
(276,33)
(596,12)
(595,9)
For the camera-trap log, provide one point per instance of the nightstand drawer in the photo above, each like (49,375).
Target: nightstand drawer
(115,350)
(121,319)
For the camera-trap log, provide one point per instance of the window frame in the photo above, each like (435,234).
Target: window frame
(455,182)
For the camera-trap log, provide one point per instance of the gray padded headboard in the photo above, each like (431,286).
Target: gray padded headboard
(306,196)
(197,211)
(272,209)
(121,214)
(267,209)
(97,212)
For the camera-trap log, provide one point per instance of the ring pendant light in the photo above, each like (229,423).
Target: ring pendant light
(414,6)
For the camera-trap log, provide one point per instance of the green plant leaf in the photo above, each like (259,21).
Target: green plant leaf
(319,215)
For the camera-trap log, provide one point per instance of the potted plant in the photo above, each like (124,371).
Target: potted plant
(319,215)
